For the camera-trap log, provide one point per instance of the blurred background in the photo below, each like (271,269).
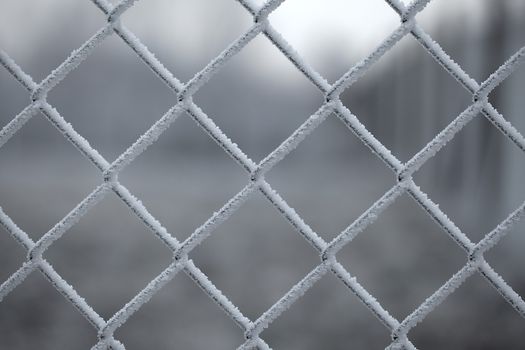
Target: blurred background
(258,99)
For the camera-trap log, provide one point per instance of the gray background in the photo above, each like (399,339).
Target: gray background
(258,99)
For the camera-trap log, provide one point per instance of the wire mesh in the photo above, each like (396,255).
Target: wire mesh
(399,329)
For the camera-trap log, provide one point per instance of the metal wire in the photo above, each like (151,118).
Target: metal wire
(256,181)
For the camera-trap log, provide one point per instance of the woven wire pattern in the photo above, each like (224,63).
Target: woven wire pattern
(256,175)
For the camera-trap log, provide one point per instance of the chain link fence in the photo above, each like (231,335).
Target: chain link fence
(256,182)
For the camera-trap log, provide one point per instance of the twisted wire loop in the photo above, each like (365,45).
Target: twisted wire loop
(405,184)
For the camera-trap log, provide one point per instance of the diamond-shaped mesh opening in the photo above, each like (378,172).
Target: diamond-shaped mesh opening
(180,316)
(185,191)
(332,35)
(406,99)
(508,104)
(347,187)
(33,172)
(112,98)
(28,323)
(258,89)
(29,31)
(235,257)
(402,257)
(473,317)
(109,261)
(11,254)
(507,258)
(305,325)
(186,34)
(13,97)
(468,178)
(478,35)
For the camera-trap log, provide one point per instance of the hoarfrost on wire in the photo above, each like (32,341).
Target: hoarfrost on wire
(256,181)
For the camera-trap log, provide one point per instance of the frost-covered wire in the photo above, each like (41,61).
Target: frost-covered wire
(256,172)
